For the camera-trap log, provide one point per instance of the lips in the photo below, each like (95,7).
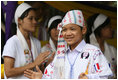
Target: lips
(69,39)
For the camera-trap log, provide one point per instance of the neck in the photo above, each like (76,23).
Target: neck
(25,34)
(73,46)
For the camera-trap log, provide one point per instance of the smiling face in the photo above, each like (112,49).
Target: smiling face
(54,34)
(73,34)
(29,23)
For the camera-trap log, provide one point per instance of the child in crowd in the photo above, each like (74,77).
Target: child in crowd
(79,60)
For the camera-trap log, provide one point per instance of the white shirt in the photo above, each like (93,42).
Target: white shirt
(98,67)
(111,55)
(14,49)
(72,54)
(50,47)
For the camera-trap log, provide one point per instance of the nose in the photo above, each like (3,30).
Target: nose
(68,33)
(34,21)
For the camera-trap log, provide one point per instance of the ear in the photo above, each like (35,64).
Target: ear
(84,30)
(19,21)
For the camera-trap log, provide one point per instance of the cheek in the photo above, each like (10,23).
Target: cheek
(53,34)
(26,23)
(63,34)
(107,32)
(78,36)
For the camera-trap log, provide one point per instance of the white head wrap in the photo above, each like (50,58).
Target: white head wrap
(49,25)
(75,17)
(53,19)
(19,11)
(100,19)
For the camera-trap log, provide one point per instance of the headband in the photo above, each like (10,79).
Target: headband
(98,21)
(20,10)
(53,19)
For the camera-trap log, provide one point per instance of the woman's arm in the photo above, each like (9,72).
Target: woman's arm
(37,75)
(10,71)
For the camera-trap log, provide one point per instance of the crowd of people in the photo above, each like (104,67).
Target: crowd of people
(67,55)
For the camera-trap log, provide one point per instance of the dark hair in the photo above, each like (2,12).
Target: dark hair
(98,30)
(53,25)
(25,14)
(90,24)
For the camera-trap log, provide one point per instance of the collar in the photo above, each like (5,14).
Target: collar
(79,47)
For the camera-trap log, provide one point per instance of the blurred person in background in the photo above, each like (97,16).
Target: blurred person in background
(53,37)
(99,30)
(22,50)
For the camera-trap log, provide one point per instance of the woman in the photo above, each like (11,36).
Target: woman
(21,51)
(53,33)
(99,30)
(79,60)
(51,46)
(53,37)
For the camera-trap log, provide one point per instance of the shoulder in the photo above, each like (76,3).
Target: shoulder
(112,47)
(45,48)
(90,47)
(11,47)
(35,40)
(12,40)
(92,50)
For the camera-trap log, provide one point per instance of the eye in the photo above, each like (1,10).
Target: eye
(72,28)
(30,18)
(63,30)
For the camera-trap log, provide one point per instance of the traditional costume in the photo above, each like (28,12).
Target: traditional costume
(85,58)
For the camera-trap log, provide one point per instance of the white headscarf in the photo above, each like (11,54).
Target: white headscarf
(19,11)
(75,17)
(53,19)
(49,25)
(100,19)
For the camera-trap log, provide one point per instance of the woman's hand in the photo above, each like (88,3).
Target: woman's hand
(41,58)
(32,74)
(50,59)
(83,76)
